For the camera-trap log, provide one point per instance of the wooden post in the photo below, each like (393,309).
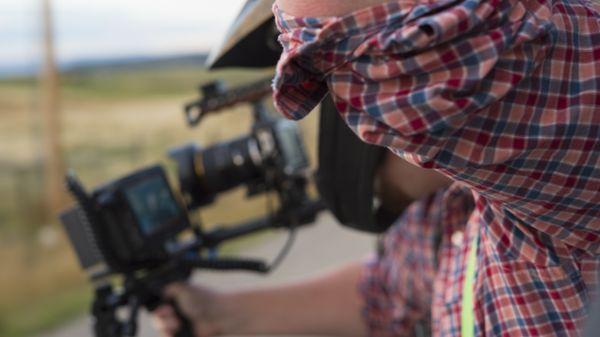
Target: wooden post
(54,166)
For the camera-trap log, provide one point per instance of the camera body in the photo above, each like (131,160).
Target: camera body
(134,220)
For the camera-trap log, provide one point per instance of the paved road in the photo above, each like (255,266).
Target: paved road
(317,248)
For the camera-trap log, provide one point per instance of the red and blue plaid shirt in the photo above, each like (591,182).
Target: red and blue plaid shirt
(502,95)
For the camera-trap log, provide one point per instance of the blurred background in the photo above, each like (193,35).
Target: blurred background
(97,86)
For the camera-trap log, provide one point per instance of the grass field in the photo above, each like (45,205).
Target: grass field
(112,122)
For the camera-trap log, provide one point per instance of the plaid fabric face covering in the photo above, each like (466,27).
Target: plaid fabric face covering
(503,96)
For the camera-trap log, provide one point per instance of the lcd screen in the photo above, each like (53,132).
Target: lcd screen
(153,204)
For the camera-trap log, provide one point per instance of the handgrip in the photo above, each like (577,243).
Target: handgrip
(186,328)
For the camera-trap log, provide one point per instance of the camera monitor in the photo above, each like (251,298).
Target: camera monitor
(146,197)
(153,205)
(125,223)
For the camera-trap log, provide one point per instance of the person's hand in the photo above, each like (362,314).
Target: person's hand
(329,304)
(201,306)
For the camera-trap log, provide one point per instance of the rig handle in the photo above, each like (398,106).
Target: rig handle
(186,328)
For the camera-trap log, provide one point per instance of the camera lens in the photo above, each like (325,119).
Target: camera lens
(227,165)
(205,172)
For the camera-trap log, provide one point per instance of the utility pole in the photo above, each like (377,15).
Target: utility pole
(54,167)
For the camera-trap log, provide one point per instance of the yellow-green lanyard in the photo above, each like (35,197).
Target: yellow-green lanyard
(467,318)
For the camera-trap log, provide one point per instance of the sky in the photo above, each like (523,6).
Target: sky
(97,29)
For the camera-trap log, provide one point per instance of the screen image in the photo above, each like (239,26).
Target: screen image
(153,204)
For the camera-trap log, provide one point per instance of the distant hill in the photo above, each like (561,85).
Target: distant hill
(132,62)
(136,63)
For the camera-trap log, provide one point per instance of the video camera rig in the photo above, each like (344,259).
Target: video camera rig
(127,233)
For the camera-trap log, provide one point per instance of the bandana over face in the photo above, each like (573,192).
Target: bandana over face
(409,69)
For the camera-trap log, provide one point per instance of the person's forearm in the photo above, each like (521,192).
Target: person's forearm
(329,304)
(319,8)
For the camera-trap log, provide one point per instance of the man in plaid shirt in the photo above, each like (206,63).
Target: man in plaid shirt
(503,96)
